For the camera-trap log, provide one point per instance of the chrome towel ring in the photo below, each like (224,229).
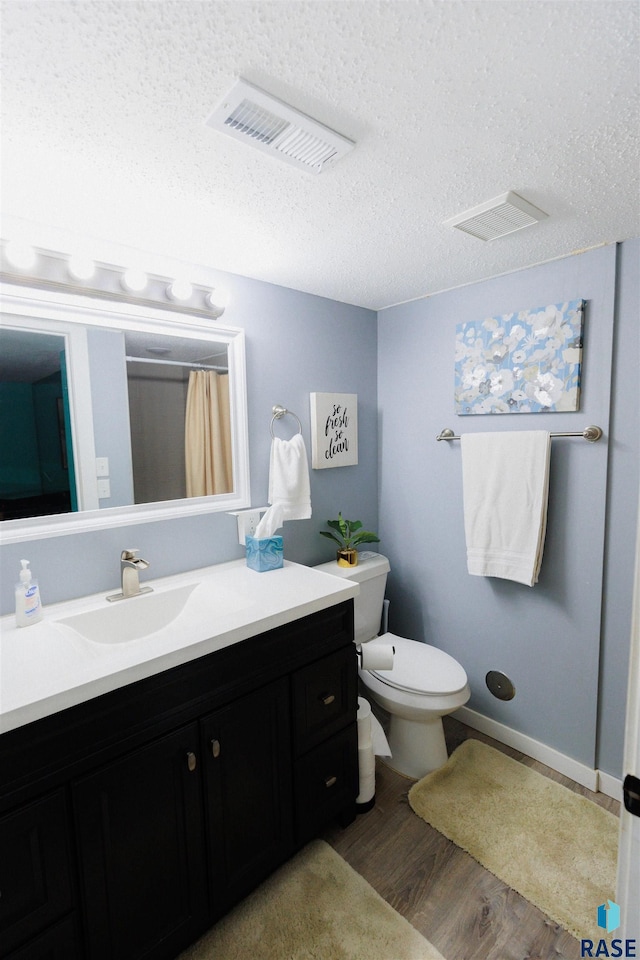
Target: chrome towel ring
(279,412)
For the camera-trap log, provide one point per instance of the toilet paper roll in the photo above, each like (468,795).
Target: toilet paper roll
(366,773)
(377,656)
(364,721)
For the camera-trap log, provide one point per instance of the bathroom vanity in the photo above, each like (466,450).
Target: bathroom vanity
(148,793)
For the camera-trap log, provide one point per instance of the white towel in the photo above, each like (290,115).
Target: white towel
(289,478)
(505,480)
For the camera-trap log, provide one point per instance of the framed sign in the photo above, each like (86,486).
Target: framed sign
(334,430)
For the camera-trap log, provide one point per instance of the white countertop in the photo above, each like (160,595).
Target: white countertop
(47,667)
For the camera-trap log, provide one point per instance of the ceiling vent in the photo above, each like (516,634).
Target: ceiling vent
(256,118)
(497,217)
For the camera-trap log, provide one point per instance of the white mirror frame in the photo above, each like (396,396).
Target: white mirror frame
(68,315)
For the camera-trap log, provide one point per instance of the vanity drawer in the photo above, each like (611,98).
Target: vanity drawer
(326,783)
(34,869)
(325,698)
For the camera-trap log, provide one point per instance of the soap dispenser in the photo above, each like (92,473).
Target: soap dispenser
(28,605)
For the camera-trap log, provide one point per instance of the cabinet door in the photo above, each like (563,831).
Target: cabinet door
(57,943)
(35,887)
(248,791)
(141,850)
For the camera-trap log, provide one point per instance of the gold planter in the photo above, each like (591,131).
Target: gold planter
(347,558)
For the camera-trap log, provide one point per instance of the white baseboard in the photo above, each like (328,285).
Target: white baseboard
(609,785)
(592,779)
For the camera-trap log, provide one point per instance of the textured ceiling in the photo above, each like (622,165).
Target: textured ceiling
(451,104)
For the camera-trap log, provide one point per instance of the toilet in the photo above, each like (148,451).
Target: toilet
(424,685)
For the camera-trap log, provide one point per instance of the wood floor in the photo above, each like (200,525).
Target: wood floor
(466,912)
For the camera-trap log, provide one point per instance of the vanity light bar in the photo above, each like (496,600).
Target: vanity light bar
(25,264)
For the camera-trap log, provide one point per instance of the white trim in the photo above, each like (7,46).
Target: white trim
(571,768)
(610,786)
(74,337)
(496,276)
(628,885)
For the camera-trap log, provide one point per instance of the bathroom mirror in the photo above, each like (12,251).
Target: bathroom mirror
(110,384)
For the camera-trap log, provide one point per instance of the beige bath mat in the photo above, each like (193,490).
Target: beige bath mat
(314,908)
(556,848)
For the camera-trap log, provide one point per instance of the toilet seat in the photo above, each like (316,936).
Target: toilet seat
(420,668)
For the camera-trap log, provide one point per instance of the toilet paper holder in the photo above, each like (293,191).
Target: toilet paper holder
(377,656)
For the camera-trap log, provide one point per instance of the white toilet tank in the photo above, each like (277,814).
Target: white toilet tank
(371,573)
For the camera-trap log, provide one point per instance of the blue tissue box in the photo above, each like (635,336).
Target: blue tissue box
(264,554)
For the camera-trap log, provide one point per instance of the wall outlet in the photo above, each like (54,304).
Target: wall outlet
(248,521)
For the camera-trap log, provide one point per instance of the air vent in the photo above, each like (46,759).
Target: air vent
(497,217)
(256,118)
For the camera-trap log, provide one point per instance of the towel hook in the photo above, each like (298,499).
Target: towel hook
(279,412)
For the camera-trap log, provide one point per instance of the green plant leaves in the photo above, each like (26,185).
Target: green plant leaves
(325,533)
(349,533)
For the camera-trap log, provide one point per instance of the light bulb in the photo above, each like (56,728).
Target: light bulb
(134,280)
(217,300)
(180,290)
(81,267)
(20,254)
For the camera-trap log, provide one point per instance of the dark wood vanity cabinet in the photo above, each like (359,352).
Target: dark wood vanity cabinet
(35,878)
(130,823)
(247,771)
(140,849)
(324,741)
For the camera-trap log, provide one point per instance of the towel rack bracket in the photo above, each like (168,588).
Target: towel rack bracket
(592,434)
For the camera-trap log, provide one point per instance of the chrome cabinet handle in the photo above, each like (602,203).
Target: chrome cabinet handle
(192,762)
(330,781)
(327,698)
(215,748)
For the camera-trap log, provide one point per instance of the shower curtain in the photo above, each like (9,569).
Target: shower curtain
(208,434)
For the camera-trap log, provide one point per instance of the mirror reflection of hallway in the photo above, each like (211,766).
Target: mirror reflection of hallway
(35,455)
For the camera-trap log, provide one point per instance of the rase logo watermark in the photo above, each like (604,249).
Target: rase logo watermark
(609,920)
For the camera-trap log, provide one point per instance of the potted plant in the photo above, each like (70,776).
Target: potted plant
(348,534)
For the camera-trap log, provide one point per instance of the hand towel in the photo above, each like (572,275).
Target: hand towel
(505,479)
(289,478)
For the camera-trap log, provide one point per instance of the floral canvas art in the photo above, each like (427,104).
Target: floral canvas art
(526,362)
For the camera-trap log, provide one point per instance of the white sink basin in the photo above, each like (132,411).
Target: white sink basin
(131,619)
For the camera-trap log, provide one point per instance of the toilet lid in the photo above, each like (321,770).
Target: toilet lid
(420,668)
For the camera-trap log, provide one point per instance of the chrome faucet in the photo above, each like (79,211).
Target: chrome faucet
(130,567)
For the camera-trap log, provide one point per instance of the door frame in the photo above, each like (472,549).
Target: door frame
(628,883)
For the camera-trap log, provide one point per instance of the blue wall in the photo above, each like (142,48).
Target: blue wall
(548,638)
(110,407)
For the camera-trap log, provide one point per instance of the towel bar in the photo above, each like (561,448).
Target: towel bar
(279,412)
(589,433)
